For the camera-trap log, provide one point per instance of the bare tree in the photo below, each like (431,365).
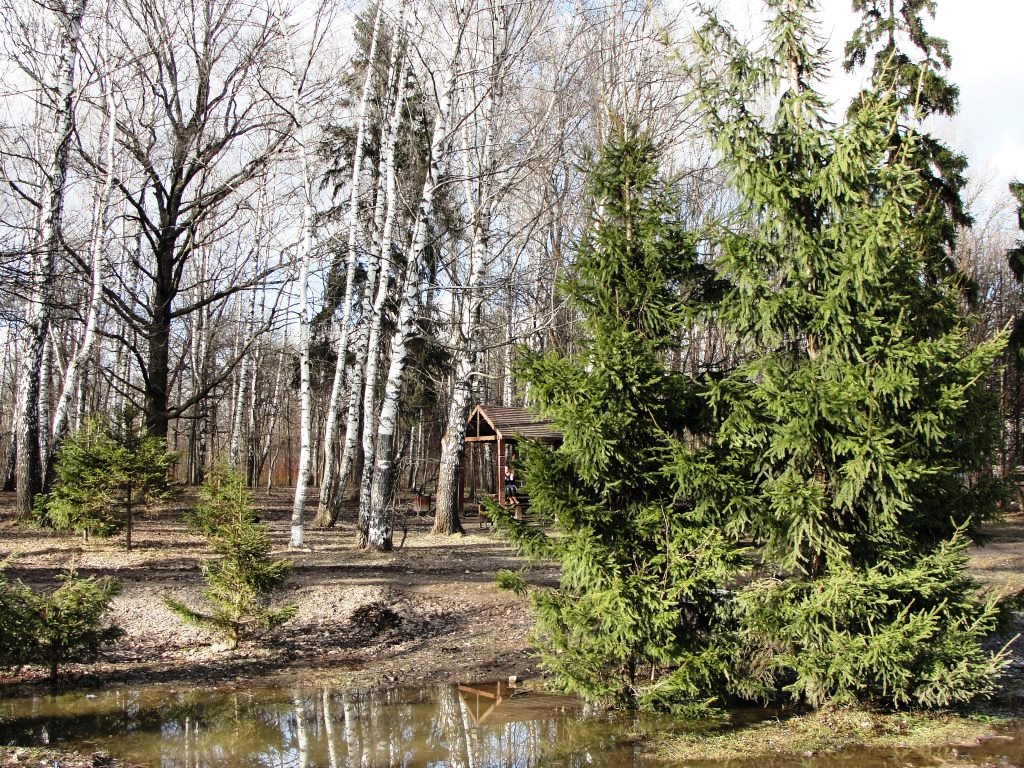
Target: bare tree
(54,79)
(201,120)
(328,483)
(498,147)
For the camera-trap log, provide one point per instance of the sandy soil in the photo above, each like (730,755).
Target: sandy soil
(451,623)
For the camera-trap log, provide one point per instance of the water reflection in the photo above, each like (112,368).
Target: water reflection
(468,726)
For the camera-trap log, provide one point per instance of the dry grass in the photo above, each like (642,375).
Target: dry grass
(825,731)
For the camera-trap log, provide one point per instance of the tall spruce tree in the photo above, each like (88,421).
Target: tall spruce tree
(914,77)
(634,617)
(857,431)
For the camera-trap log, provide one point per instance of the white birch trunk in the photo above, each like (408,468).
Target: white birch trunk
(507,383)
(378,272)
(101,207)
(29,468)
(380,523)
(453,441)
(327,485)
(45,382)
(480,199)
(304,254)
(305,396)
(374,344)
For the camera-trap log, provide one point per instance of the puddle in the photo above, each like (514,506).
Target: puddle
(459,726)
(466,726)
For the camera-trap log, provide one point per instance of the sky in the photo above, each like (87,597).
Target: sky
(984,39)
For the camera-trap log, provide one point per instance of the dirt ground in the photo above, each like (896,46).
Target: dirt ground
(450,621)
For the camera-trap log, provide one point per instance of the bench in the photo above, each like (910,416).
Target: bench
(420,504)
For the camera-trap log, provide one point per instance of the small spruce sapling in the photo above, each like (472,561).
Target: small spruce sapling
(105,475)
(69,621)
(241,580)
(220,497)
(53,628)
(16,625)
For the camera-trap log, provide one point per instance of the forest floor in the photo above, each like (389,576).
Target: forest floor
(430,611)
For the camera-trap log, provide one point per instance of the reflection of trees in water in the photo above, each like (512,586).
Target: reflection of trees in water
(401,728)
(227,729)
(408,729)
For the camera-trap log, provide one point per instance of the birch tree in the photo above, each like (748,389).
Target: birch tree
(58,100)
(362,385)
(378,523)
(366,420)
(492,137)
(328,482)
(97,261)
(299,72)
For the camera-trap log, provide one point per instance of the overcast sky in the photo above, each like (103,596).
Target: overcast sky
(985,42)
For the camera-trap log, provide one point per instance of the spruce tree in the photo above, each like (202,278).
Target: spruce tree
(105,476)
(633,620)
(55,627)
(242,579)
(917,85)
(856,436)
(223,496)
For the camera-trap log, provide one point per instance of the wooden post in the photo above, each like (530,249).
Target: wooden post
(501,471)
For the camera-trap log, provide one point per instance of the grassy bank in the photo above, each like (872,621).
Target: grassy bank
(826,731)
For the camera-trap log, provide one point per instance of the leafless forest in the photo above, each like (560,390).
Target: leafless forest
(302,239)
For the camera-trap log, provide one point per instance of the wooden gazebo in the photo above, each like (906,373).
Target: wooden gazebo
(503,426)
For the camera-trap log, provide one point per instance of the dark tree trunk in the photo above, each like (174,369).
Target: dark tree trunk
(28,473)
(158,340)
(12,460)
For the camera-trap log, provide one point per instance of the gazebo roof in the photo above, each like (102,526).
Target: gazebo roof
(488,423)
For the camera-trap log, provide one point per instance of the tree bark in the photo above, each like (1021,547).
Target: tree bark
(305,248)
(72,375)
(29,466)
(379,526)
(378,270)
(374,343)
